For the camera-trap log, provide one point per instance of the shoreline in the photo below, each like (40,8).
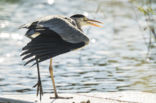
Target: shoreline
(98,97)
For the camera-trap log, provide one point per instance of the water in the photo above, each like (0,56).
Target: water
(114,60)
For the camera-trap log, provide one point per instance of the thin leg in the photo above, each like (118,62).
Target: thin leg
(39,83)
(52,78)
(53,82)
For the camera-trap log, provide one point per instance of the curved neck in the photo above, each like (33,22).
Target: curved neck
(77,24)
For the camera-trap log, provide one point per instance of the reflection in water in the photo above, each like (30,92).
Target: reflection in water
(113,61)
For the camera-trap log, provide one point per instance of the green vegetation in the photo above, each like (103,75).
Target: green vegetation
(149,13)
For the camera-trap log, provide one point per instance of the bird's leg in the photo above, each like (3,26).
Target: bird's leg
(53,82)
(52,78)
(38,84)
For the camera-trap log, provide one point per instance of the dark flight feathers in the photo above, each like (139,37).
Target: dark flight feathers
(47,45)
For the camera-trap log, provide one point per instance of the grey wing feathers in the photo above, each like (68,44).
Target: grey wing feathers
(62,26)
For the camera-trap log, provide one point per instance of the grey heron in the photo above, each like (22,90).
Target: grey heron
(51,36)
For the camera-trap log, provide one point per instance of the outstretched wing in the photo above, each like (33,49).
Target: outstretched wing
(47,45)
(65,27)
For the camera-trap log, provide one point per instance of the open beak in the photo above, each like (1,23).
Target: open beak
(92,22)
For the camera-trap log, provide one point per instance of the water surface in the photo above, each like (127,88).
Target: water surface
(114,60)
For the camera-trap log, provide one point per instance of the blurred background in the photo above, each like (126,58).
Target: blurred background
(121,56)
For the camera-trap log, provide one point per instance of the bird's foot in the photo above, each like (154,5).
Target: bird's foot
(58,97)
(39,88)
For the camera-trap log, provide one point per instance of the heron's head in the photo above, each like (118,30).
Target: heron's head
(84,21)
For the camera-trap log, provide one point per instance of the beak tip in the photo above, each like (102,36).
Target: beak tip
(92,22)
